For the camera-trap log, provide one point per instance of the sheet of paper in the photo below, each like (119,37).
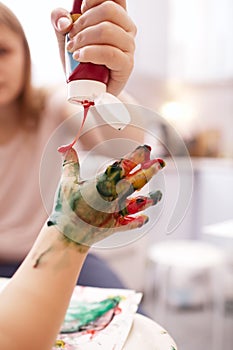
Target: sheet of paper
(112,335)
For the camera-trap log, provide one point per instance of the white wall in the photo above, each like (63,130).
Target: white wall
(177,39)
(151,18)
(191,40)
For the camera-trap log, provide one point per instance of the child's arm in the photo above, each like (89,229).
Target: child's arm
(33,304)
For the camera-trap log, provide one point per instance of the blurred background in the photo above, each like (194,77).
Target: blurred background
(184,73)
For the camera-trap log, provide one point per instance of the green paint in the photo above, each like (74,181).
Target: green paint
(38,260)
(155,196)
(82,313)
(87,222)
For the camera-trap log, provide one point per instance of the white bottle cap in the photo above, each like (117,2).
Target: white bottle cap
(79,90)
(112,110)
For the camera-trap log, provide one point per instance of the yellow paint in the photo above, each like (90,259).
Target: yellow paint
(75,16)
(60,344)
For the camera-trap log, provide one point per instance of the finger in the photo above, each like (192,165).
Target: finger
(62,23)
(142,176)
(140,203)
(120,63)
(135,181)
(70,166)
(125,165)
(61,20)
(125,223)
(104,33)
(108,11)
(87,4)
(140,155)
(109,184)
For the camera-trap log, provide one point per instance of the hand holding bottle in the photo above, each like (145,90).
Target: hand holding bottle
(104,34)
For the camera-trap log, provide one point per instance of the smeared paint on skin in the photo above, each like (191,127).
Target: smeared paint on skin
(60,344)
(109,211)
(63,149)
(38,259)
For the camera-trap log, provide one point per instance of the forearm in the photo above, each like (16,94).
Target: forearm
(34,302)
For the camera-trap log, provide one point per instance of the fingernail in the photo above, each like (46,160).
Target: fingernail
(161,162)
(83,6)
(76,54)
(63,23)
(156,196)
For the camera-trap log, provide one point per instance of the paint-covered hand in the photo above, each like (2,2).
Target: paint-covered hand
(89,211)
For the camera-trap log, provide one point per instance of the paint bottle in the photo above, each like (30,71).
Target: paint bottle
(85,80)
(88,82)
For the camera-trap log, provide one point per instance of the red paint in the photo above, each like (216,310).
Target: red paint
(117,310)
(135,205)
(125,220)
(147,165)
(139,220)
(127,165)
(86,105)
(91,332)
(149,147)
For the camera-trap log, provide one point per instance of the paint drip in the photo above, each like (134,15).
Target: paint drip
(86,105)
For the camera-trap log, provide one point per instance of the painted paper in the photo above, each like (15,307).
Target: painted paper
(102,316)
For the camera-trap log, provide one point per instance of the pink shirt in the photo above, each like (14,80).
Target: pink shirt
(22,212)
(30,171)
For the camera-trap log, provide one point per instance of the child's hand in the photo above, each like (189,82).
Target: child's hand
(104,34)
(89,211)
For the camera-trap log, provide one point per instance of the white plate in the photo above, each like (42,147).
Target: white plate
(148,335)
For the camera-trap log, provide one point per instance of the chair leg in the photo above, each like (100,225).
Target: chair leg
(218,290)
(164,280)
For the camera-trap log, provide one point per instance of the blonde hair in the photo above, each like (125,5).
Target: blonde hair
(31,100)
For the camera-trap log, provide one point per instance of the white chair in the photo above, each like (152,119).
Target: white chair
(172,258)
(220,234)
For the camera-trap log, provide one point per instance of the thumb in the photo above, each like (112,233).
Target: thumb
(61,20)
(70,165)
(62,23)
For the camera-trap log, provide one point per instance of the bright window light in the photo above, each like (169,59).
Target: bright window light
(180,115)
